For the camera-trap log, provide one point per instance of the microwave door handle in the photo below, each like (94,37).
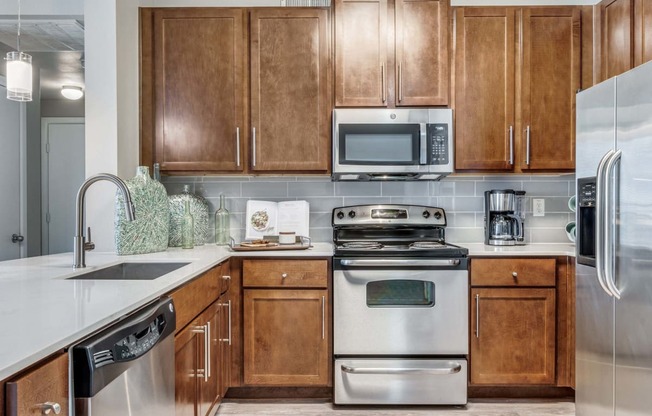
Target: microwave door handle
(423,148)
(600,222)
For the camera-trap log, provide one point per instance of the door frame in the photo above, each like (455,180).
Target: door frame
(22,175)
(45,190)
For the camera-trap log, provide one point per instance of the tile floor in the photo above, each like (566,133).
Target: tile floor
(480,408)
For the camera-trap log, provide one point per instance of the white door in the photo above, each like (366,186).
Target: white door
(10,119)
(62,175)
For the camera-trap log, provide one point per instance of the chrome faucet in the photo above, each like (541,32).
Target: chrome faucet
(81,246)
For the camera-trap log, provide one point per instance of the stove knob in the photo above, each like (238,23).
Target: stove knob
(438,215)
(340,215)
(426,214)
(351,214)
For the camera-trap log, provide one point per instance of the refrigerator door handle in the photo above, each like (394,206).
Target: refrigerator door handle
(610,189)
(600,222)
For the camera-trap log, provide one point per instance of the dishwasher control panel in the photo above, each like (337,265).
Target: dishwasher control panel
(138,343)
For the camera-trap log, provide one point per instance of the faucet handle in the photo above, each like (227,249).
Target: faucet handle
(89,245)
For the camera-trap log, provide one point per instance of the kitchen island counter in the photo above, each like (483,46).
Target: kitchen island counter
(42,312)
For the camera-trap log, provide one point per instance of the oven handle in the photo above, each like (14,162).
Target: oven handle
(397,262)
(452,369)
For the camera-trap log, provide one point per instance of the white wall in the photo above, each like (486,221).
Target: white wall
(44,7)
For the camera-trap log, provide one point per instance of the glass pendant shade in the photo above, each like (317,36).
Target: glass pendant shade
(19,76)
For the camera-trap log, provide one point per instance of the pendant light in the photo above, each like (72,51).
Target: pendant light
(19,71)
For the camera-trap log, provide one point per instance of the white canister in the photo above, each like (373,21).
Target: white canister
(286,237)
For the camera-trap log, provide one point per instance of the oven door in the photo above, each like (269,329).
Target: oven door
(400,306)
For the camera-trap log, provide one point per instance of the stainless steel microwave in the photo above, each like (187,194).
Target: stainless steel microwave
(392,144)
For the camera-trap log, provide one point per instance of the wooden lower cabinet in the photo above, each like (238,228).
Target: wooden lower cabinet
(44,387)
(203,346)
(285,342)
(513,340)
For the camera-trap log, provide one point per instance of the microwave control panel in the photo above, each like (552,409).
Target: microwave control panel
(438,144)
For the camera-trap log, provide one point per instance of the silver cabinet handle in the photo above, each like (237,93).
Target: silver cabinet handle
(226,277)
(382,81)
(515,275)
(477,316)
(527,145)
(253,149)
(452,368)
(600,221)
(610,223)
(284,275)
(228,305)
(237,146)
(511,145)
(393,263)
(203,329)
(48,407)
(400,82)
(323,317)
(207,343)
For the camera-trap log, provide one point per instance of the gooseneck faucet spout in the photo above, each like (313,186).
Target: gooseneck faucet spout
(80,245)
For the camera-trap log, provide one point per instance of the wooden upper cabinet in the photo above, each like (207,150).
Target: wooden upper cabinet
(421,52)
(484,88)
(642,31)
(551,76)
(290,92)
(199,89)
(392,53)
(617,27)
(360,53)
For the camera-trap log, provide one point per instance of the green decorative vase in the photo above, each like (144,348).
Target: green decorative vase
(199,211)
(149,232)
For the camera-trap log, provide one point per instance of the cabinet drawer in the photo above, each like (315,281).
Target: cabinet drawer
(285,273)
(46,384)
(513,272)
(195,296)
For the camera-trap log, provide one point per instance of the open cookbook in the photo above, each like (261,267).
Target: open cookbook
(269,218)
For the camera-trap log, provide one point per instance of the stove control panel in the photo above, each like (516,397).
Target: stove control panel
(389,214)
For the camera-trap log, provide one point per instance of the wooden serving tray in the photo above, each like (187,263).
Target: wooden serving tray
(304,244)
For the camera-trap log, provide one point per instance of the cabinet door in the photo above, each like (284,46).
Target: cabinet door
(550,79)
(48,383)
(642,32)
(290,93)
(484,88)
(187,371)
(285,337)
(360,53)
(199,72)
(513,336)
(617,32)
(421,52)
(209,351)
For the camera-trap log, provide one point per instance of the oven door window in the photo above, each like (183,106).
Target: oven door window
(379,144)
(401,294)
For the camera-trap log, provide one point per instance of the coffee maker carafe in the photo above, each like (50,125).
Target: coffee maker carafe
(503,215)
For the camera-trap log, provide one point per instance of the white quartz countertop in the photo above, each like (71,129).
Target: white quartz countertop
(42,312)
(477,250)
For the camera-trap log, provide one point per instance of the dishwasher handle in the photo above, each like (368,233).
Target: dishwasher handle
(101,358)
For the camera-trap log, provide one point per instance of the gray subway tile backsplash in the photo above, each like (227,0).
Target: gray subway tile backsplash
(460,196)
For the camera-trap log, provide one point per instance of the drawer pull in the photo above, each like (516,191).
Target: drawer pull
(515,275)
(284,275)
(226,277)
(452,368)
(48,407)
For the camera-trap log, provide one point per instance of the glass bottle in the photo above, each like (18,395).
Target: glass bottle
(187,227)
(222,223)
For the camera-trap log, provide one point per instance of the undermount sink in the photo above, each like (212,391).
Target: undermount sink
(130,271)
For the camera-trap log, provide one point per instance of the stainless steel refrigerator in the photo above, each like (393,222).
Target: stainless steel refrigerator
(614,247)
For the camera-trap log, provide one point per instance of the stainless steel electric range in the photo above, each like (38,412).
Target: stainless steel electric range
(400,307)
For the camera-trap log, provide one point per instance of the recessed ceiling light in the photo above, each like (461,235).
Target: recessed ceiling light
(72,92)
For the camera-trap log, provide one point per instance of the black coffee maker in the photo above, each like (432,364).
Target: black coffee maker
(504,213)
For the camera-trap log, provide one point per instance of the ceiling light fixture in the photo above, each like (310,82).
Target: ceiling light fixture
(72,92)
(19,71)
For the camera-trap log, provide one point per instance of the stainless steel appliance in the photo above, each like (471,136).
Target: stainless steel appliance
(392,144)
(614,247)
(128,369)
(400,317)
(504,217)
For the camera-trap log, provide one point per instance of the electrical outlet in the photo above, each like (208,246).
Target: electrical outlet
(538,207)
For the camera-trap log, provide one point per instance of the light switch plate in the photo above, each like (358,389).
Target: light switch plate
(538,207)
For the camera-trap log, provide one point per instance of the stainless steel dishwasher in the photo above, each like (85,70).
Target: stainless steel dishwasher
(128,369)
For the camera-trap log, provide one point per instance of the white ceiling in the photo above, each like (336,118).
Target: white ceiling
(57,49)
